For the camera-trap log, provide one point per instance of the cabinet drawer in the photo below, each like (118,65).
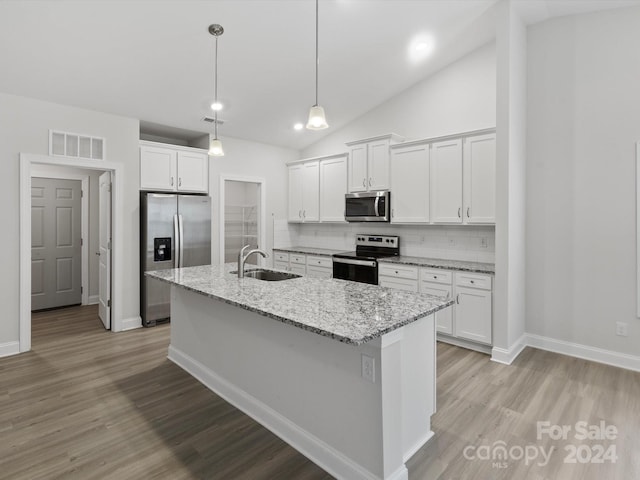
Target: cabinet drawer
(298,269)
(398,283)
(296,258)
(398,271)
(473,280)
(443,291)
(326,262)
(436,275)
(280,257)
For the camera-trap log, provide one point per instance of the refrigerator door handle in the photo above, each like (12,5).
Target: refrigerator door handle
(177,243)
(181,242)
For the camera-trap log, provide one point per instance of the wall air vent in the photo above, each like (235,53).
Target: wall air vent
(212,120)
(68,144)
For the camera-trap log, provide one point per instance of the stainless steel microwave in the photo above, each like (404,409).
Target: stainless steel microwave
(368,206)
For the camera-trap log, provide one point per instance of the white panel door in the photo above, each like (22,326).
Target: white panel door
(158,168)
(295,193)
(446,181)
(311,192)
(410,184)
(104,266)
(480,179)
(358,168)
(193,172)
(378,165)
(56,243)
(333,187)
(473,314)
(444,317)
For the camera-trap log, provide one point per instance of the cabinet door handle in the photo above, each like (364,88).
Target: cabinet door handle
(172,181)
(393,212)
(459,212)
(458,299)
(299,213)
(304,214)
(369,181)
(468,212)
(179,181)
(364,182)
(471,281)
(435,277)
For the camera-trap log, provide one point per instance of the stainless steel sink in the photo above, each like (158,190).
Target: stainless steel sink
(268,275)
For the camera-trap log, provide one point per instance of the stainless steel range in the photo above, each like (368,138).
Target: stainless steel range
(362,265)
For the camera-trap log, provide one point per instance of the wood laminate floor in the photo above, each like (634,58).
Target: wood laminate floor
(90,404)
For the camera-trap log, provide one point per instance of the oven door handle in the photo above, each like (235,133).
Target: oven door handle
(349,261)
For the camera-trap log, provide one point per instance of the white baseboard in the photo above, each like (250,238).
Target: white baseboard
(418,445)
(507,356)
(616,359)
(130,323)
(461,342)
(93,300)
(328,458)
(9,348)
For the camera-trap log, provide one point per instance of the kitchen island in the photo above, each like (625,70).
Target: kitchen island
(342,371)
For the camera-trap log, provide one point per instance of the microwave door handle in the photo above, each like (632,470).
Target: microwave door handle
(375,206)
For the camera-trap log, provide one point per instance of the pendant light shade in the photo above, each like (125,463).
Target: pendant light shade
(317,119)
(215,146)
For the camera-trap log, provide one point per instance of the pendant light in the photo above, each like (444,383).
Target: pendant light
(215,147)
(317,120)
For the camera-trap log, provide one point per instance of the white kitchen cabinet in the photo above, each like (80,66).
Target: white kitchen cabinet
(281,260)
(446,181)
(398,276)
(319,266)
(473,315)
(438,282)
(410,183)
(369,163)
(479,180)
(333,187)
(298,263)
(173,169)
(304,192)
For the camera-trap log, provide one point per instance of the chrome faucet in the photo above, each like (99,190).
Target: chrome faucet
(242,258)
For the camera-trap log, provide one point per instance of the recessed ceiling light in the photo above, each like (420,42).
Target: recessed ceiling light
(421,47)
(298,126)
(216,106)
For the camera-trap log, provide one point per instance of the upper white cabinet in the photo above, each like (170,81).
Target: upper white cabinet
(333,187)
(165,168)
(304,192)
(446,181)
(410,183)
(463,182)
(480,179)
(369,163)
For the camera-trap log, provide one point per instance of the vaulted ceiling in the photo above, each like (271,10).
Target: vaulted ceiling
(153,60)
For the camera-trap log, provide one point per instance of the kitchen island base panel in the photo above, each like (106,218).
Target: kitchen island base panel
(308,389)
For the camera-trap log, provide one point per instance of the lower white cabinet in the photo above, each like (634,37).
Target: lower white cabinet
(281,260)
(473,307)
(311,265)
(320,267)
(469,318)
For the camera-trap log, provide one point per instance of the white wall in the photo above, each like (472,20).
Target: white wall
(24,128)
(460,97)
(247,158)
(583,121)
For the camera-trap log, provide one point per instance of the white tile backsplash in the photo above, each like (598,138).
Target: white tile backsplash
(449,242)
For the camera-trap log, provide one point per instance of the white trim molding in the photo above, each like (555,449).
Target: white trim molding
(130,323)
(638,229)
(594,354)
(508,355)
(9,348)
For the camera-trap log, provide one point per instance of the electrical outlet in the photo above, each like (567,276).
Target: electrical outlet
(483,242)
(368,368)
(621,329)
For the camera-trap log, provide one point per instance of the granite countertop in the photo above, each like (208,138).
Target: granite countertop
(349,312)
(476,267)
(310,251)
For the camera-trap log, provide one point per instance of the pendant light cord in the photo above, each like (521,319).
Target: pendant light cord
(215,94)
(317,57)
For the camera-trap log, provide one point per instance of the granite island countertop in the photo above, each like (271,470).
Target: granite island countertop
(476,267)
(325,252)
(349,312)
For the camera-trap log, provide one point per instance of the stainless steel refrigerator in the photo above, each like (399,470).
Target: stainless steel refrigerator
(175,231)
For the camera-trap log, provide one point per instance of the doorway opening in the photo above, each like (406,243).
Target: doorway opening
(242,219)
(34,166)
